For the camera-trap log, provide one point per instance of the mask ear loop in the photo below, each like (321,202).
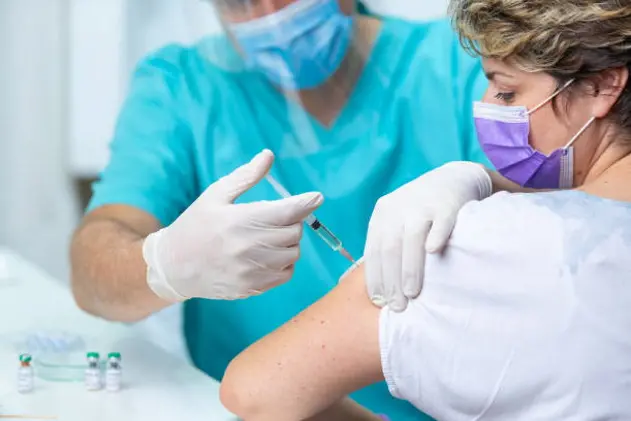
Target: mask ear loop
(551,97)
(580,132)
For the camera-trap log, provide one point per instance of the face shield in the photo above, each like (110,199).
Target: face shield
(312,52)
(297,47)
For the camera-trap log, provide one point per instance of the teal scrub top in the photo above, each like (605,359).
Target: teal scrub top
(186,122)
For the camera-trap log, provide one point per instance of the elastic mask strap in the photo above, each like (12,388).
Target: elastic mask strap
(551,97)
(580,132)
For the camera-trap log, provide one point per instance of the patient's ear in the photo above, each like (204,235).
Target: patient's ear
(607,88)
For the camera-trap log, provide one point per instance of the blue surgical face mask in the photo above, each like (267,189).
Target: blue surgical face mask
(298,47)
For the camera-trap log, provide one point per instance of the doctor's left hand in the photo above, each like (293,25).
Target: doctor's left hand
(417,218)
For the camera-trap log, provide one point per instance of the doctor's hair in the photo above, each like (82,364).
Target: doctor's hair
(568,39)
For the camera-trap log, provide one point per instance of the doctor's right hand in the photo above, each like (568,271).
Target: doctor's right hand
(221,250)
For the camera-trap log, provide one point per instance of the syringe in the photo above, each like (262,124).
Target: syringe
(314,223)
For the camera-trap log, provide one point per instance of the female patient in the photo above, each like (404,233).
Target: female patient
(525,316)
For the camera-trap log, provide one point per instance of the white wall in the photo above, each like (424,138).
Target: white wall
(122,31)
(97,69)
(38,209)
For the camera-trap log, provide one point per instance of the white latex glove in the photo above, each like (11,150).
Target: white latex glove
(220,250)
(416,218)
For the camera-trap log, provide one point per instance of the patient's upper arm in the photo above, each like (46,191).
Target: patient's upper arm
(320,356)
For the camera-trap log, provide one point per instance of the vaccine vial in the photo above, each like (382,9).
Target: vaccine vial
(25,374)
(93,372)
(113,373)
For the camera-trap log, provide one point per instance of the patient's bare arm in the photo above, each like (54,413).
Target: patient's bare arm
(307,367)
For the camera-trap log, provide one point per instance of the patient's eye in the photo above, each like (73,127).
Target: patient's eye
(507,97)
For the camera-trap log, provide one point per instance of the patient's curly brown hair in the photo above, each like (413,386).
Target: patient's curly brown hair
(568,39)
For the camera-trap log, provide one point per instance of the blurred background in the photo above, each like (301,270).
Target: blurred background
(63,74)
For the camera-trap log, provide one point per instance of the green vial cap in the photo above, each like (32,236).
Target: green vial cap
(114,355)
(93,355)
(25,358)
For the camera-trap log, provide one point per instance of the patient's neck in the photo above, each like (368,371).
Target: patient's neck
(611,175)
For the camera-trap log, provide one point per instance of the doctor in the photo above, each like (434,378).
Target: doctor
(342,106)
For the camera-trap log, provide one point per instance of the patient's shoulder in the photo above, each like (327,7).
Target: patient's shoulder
(536,224)
(506,223)
(556,205)
(531,246)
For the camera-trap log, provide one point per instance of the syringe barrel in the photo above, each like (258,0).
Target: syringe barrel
(322,231)
(328,237)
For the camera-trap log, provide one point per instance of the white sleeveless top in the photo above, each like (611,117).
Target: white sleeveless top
(526,316)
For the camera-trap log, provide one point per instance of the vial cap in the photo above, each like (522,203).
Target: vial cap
(114,355)
(93,355)
(25,358)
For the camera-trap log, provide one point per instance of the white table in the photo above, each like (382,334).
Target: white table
(157,386)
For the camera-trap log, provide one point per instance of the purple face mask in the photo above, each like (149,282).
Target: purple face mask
(503,134)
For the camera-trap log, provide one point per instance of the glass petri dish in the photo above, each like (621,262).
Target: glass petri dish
(60,367)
